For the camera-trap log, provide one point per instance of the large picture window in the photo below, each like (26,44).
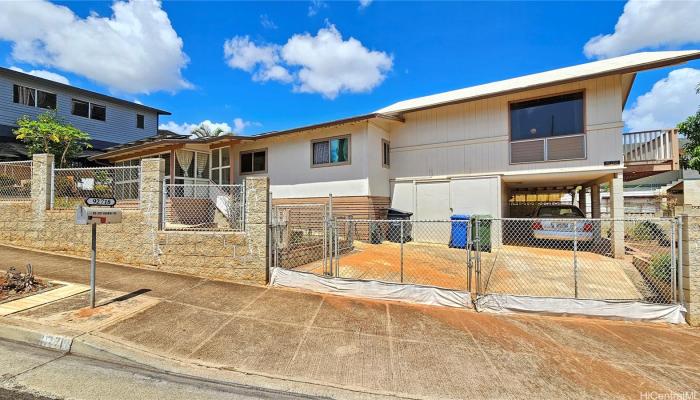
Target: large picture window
(542,118)
(332,151)
(254,161)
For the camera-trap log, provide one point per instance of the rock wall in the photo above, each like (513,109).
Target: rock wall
(234,256)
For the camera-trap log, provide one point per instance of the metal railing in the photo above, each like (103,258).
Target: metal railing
(15,181)
(203,207)
(659,145)
(604,259)
(71,186)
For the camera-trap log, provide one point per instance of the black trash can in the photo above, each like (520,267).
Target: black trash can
(394,234)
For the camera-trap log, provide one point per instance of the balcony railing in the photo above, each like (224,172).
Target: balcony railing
(651,146)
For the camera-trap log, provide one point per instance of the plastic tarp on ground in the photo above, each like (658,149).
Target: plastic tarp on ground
(371,289)
(628,310)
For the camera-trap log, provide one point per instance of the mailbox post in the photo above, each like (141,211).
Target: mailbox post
(94,216)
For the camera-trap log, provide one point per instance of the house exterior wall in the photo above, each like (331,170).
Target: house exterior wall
(472,138)
(290,170)
(119,126)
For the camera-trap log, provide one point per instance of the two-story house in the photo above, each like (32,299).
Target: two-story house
(488,149)
(108,120)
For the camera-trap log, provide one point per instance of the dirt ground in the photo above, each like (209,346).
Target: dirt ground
(520,270)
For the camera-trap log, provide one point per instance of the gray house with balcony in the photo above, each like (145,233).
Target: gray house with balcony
(108,120)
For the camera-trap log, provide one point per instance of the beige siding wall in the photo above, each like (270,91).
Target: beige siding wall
(289,164)
(473,137)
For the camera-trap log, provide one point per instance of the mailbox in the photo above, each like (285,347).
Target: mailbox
(97,215)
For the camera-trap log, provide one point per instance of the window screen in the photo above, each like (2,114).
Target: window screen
(321,153)
(552,116)
(331,151)
(139,121)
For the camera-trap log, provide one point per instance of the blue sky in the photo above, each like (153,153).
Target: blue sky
(406,49)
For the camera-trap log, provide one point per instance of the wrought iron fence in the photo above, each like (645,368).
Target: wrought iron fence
(72,185)
(605,259)
(203,207)
(15,180)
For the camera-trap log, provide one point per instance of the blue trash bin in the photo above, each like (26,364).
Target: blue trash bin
(458,234)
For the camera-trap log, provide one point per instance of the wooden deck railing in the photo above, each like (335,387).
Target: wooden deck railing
(651,147)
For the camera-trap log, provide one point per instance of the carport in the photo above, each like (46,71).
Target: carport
(524,191)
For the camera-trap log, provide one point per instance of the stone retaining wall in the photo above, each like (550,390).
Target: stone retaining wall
(235,256)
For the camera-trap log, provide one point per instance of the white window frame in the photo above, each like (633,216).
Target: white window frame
(36,96)
(386,153)
(89,103)
(329,163)
(252,160)
(219,170)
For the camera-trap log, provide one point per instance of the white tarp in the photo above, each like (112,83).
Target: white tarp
(371,289)
(629,310)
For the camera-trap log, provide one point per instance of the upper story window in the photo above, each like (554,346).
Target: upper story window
(386,149)
(139,121)
(88,110)
(552,116)
(332,151)
(33,97)
(253,161)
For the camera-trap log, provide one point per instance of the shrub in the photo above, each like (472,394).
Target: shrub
(648,230)
(660,267)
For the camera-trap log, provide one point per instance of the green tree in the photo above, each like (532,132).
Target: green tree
(203,131)
(48,133)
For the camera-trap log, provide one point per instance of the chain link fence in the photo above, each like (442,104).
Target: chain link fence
(603,259)
(203,207)
(15,180)
(72,185)
(431,253)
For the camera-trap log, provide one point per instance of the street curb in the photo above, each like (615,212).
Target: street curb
(98,348)
(36,336)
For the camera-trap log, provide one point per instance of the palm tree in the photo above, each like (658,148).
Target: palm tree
(203,131)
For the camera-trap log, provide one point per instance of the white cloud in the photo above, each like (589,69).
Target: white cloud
(315,7)
(266,22)
(324,63)
(241,53)
(670,101)
(185,128)
(135,50)
(649,24)
(365,3)
(41,73)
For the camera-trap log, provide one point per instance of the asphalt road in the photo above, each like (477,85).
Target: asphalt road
(32,373)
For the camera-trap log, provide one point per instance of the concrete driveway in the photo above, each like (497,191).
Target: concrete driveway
(383,347)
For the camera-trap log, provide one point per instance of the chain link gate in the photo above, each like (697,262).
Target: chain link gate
(307,238)
(596,259)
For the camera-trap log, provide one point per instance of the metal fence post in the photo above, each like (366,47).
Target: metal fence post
(679,269)
(575,261)
(469,256)
(337,248)
(674,266)
(401,244)
(477,246)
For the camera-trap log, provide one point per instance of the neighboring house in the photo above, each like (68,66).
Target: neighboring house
(108,120)
(491,149)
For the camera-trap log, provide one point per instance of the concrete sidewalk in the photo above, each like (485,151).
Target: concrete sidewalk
(378,347)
